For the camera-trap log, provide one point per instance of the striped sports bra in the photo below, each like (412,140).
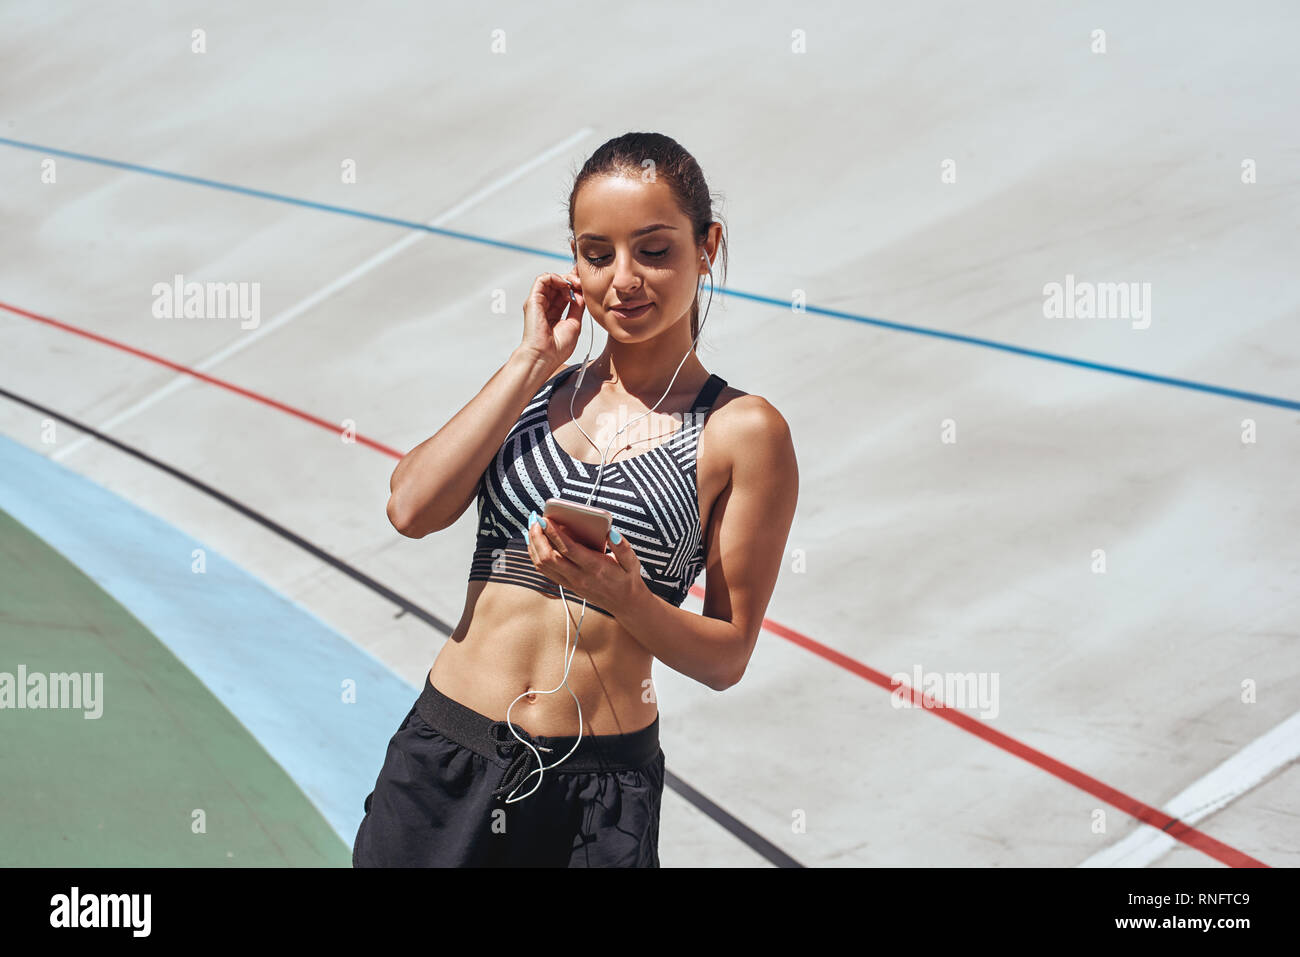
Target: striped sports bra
(653,496)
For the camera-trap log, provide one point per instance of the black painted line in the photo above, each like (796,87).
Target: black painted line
(745,834)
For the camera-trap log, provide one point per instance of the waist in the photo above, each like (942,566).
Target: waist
(493,740)
(509,641)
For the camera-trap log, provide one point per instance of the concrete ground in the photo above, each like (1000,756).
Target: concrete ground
(1099,514)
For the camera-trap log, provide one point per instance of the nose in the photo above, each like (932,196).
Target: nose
(626,280)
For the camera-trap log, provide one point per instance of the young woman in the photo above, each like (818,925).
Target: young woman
(459,785)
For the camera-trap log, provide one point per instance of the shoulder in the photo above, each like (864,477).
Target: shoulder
(744,416)
(749,429)
(561,370)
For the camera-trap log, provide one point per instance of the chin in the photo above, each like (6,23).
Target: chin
(630,336)
(637,330)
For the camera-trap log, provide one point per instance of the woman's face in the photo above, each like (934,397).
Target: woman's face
(633,245)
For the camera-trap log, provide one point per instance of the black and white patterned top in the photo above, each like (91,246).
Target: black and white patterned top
(653,496)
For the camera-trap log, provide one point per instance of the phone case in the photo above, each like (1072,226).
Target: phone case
(586,523)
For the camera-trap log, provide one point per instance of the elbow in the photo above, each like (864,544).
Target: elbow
(399,516)
(731,677)
(400,520)
(417,524)
(727,679)
(725,682)
(396,517)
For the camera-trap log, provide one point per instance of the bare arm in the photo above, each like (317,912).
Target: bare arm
(748,529)
(434,483)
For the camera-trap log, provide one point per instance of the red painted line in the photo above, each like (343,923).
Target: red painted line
(212,380)
(1129,805)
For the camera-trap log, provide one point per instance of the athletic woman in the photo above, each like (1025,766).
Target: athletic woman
(461,786)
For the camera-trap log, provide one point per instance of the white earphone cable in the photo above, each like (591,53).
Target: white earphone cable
(564,681)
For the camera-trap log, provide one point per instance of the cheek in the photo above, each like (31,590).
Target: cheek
(594,284)
(680,285)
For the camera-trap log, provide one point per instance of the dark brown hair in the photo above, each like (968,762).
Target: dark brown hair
(627,155)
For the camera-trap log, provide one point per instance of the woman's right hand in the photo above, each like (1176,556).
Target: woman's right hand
(548,333)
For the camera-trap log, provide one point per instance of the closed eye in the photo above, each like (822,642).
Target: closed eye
(653,254)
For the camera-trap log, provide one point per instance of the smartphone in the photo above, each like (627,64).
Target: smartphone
(585,523)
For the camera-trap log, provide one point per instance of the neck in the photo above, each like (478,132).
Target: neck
(645,368)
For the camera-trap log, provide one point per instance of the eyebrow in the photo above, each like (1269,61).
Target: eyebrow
(639,232)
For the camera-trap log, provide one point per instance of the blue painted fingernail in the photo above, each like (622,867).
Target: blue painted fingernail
(614,536)
(542,522)
(532,519)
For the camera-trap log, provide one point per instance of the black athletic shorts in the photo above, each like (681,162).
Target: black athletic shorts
(440,799)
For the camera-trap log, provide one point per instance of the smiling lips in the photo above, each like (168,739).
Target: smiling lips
(631,310)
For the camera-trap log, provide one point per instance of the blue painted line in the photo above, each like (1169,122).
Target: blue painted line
(739,294)
(283,198)
(274,665)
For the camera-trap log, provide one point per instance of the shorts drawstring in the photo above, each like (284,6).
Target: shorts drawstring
(508,747)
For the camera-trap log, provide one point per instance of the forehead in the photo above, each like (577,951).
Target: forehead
(617,205)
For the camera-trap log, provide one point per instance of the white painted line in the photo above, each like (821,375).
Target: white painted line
(296,310)
(1231,779)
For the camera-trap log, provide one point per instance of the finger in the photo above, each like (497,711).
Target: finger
(557,294)
(541,291)
(532,544)
(545,558)
(568,547)
(539,549)
(550,293)
(623,551)
(576,302)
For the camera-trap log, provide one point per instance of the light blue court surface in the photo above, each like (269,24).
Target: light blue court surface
(279,669)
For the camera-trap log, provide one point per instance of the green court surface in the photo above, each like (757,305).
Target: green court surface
(125,789)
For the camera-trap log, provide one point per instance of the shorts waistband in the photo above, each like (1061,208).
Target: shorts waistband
(493,740)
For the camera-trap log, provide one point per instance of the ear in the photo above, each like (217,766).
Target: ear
(711,243)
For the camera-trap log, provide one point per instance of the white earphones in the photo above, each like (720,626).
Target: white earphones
(564,681)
